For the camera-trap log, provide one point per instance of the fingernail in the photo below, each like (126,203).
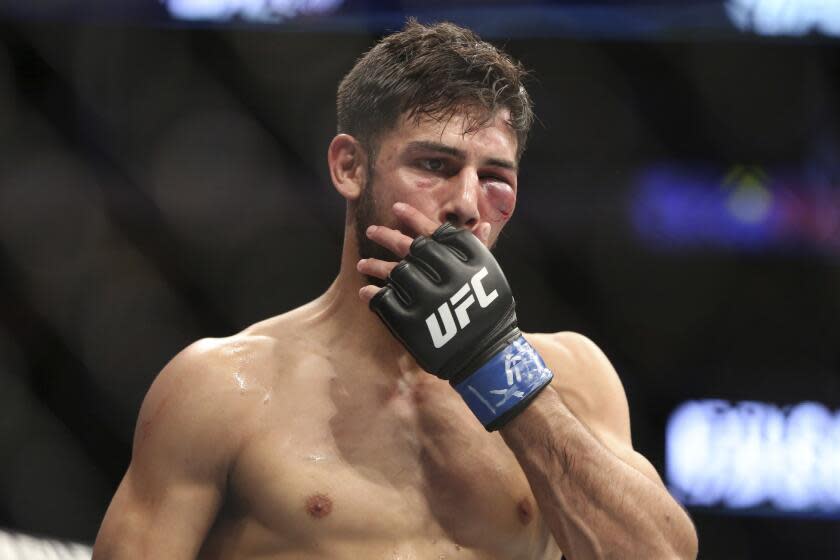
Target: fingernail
(399,206)
(370,230)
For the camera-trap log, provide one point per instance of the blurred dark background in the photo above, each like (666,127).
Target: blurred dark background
(164,182)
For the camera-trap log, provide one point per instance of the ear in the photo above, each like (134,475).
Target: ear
(347,160)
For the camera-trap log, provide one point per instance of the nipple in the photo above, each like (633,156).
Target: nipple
(524,511)
(318,506)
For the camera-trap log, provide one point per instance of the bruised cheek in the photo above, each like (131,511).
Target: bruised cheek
(501,200)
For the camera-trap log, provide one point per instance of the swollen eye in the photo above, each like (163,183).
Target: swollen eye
(501,196)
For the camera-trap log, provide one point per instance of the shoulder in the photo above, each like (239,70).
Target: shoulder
(212,366)
(203,398)
(587,382)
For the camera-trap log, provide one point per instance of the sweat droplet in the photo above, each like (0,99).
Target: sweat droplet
(240,381)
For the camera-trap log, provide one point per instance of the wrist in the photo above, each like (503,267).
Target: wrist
(547,409)
(505,384)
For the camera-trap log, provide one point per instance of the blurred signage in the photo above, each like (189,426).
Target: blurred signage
(248,10)
(634,20)
(785,17)
(755,455)
(745,208)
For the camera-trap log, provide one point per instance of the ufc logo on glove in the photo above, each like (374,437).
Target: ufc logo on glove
(449,328)
(489,362)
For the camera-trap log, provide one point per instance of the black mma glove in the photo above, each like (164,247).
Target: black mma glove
(450,305)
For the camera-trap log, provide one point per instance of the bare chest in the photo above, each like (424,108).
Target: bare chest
(391,461)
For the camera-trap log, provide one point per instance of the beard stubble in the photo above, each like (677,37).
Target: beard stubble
(368,214)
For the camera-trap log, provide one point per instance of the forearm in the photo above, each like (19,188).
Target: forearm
(596,505)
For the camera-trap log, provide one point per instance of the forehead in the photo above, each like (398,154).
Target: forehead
(494,138)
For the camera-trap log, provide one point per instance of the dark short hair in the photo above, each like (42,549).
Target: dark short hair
(432,71)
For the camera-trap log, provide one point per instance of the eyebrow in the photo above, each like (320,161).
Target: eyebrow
(460,154)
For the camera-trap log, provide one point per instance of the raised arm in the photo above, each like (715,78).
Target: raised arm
(558,404)
(175,484)
(600,497)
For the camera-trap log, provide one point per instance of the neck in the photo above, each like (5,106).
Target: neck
(349,321)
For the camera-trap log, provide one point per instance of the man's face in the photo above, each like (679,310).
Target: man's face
(465,177)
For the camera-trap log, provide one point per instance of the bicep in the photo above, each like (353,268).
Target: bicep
(174,486)
(151,518)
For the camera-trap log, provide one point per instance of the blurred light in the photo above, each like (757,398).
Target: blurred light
(248,10)
(680,207)
(17,545)
(785,17)
(749,200)
(656,20)
(752,454)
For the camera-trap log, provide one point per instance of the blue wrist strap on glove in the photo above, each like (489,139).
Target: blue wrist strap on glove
(505,384)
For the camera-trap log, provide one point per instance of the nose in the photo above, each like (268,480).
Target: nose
(461,205)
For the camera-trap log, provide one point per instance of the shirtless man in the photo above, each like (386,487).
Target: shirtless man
(316,434)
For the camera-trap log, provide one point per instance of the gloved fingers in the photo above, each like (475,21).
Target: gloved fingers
(409,278)
(461,242)
(389,306)
(437,260)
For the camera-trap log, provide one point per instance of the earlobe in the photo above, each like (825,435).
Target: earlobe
(347,161)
